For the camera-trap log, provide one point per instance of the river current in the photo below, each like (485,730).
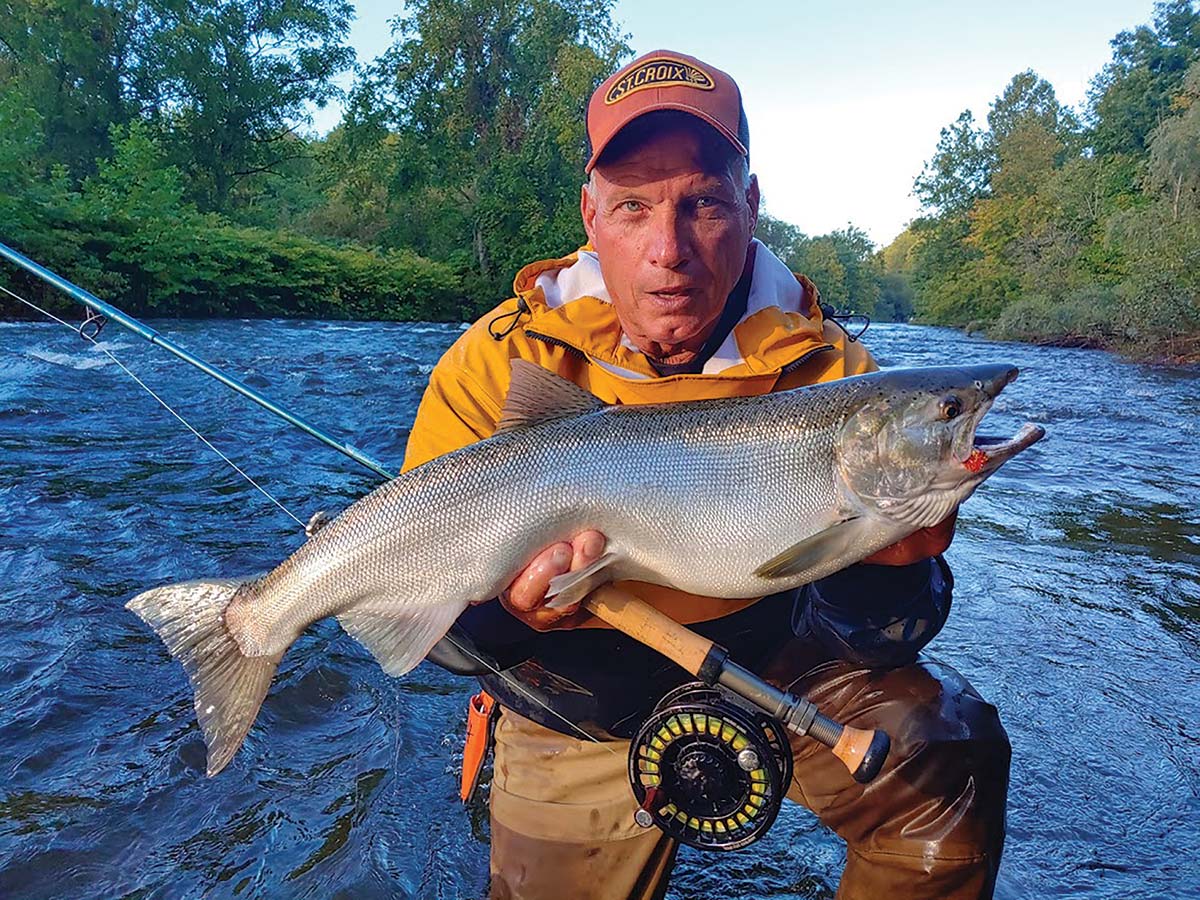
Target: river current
(1077,612)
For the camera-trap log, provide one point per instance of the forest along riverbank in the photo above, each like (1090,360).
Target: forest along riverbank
(1077,612)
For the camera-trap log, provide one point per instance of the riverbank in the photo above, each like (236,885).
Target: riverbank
(1109,326)
(1182,351)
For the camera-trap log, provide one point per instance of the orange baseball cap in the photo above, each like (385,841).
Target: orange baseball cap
(664,79)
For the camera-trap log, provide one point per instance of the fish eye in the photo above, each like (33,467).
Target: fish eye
(950,407)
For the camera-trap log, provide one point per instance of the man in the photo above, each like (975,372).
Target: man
(673,300)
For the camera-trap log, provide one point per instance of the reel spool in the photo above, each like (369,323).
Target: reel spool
(708,770)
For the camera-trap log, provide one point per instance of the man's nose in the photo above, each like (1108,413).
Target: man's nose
(671,242)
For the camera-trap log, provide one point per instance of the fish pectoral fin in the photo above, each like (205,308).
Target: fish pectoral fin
(538,395)
(399,642)
(574,586)
(837,540)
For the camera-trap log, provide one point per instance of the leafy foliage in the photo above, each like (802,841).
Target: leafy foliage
(843,264)
(1043,229)
(473,128)
(151,151)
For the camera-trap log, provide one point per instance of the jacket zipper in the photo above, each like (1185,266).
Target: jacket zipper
(797,363)
(557,343)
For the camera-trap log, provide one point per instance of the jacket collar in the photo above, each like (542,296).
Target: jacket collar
(569,304)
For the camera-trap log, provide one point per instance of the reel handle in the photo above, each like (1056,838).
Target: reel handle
(862,752)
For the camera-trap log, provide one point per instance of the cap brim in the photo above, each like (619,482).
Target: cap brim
(655,106)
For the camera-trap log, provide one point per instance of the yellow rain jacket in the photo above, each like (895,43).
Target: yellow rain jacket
(562,319)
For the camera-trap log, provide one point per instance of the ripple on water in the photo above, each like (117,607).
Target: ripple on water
(1077,612)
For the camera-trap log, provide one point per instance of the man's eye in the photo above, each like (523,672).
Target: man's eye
(631,205)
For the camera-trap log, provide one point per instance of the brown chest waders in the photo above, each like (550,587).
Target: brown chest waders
(712,764)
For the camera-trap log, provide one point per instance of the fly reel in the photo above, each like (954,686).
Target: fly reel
(709,771)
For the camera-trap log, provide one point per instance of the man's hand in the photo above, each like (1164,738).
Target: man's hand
(525,598)
(917,546)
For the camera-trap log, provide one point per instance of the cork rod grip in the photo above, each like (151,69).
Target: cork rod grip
(645,624)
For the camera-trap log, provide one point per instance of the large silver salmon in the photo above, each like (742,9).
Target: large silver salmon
(728,498)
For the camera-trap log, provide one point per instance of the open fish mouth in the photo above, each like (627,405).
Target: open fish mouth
(991,452)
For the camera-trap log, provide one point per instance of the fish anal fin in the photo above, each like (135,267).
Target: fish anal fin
(836,540)
(537,395)
(399,642)
(572,587)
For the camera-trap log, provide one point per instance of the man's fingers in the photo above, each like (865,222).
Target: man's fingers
(528,591)
(586,548)
(526,596)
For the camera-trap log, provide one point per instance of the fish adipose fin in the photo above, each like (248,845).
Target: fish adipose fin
(834,541)
(536,395)
(398,643)
(572,587)
(229,686)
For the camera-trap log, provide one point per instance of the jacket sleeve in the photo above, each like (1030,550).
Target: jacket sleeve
(878,616)
(455,411)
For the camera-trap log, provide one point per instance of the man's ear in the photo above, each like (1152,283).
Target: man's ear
(752,200)
(587,210)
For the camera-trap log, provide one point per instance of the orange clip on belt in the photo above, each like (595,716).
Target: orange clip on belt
(481,716)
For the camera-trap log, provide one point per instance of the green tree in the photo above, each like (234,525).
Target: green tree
(780,237)
(897,257)
(858,258)
(896,263)
(1174,164)
(1025,101)
(475,116)
(1132,94)
(895,303)
(818,259)
(957,175)
(231,79)
(76,64)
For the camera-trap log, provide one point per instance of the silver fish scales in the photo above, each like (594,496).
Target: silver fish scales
(727,498)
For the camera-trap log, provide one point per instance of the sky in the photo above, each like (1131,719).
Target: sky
(846,103)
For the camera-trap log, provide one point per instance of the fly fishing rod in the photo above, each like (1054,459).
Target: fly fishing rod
(711,765)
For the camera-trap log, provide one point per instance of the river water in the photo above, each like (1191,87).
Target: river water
(1077,613)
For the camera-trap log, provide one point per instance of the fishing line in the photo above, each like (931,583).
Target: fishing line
(511,682)
(165,405)
(163,402)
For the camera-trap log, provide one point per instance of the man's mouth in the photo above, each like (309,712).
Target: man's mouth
(674,295)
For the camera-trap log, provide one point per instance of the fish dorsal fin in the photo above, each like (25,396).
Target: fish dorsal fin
(537,395)
(836,540)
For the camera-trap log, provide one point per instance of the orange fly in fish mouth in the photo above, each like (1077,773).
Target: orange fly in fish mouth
(991,452)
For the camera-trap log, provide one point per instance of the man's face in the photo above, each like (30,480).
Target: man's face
(671,238)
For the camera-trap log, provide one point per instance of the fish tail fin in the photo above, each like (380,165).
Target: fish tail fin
(229,686)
